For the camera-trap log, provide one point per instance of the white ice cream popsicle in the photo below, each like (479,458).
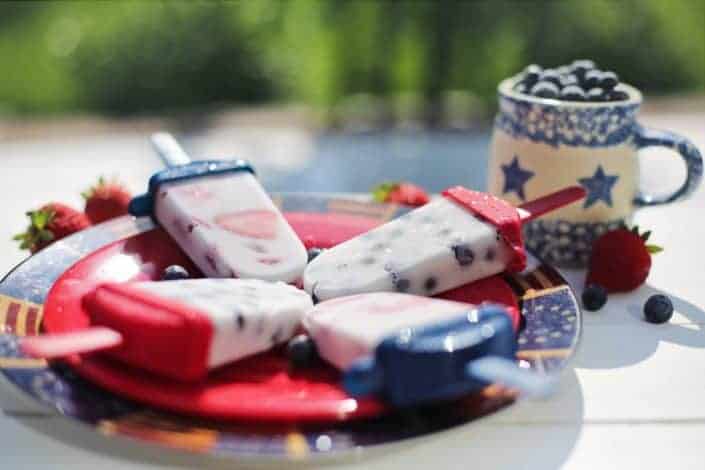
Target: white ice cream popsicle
(182,329)
(349,328)
(221,217)
(459,238)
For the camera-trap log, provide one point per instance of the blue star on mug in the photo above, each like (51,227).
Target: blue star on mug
(515,177)
(599,187)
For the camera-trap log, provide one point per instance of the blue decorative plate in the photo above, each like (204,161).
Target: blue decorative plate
(547,341)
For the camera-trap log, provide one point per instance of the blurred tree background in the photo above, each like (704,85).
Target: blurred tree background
(392,58)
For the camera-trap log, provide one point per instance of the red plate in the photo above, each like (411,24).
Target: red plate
(260,388)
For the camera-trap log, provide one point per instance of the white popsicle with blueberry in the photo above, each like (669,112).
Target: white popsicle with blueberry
(221,217)
(181,329)
(459,238)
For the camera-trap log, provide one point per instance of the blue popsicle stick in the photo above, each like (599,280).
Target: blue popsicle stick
(506,372)
(444,361)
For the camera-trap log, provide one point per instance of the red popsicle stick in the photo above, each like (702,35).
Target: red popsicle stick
(550,202)
(66,344)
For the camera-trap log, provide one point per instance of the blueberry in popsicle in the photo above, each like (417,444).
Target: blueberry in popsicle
(224,221)
(181,329)
(458,238)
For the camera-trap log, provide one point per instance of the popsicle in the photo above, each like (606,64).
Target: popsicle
(458,238)
(445,360)
(346,329)
(223,219)
(181,329)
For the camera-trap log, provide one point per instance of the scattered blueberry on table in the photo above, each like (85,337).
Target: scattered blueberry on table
(658,309)
(594,297)
(301,351)
(175,273)
(579,81)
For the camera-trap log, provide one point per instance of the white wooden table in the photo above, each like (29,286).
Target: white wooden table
(635,398)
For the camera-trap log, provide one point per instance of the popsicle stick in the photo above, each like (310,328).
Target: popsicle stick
(171,153)
(495,369)
(550,202)
(66,344)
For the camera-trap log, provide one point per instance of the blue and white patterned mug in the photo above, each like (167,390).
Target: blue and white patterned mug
(540,145)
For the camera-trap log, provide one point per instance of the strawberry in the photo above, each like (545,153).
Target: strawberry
(106,200)
(51,222)
(260,224)
(400,193)
(621,260)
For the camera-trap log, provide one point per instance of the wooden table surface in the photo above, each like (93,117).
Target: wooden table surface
(634,399)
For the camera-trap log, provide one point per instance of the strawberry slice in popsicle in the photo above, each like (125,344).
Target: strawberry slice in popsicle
(181,329)
(462,237)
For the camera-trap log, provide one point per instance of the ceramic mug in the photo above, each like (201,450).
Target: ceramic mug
(540,145)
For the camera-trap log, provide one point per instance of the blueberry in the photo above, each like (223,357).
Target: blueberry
(581,67)
(608,80)
(490,254)
(658,309)
(596,94)
(550,75)
(572,93)
(313,253)
(563,70)
(568,80)
(531,74)
(301,351)
(402,285)
(618,95)
(534,69)
(174,273)
(464,254)
(430,284)
(594,297)
(545,90)
(592,79)
(585,63)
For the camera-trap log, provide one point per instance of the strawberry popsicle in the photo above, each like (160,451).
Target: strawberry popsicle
(182,329)
(221,217)
(349,328)
(458,238)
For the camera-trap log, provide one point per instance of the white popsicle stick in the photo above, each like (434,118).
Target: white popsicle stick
(171,153)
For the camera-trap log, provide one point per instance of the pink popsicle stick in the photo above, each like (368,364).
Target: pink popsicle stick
(66,344)
(550,202)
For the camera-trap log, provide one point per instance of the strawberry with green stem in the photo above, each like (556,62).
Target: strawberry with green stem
(400,193)
(106,200)
(50,223)
(621,260)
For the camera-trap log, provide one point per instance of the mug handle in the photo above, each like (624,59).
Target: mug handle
(645,137)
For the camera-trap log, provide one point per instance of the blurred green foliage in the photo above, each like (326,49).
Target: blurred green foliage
(131,57)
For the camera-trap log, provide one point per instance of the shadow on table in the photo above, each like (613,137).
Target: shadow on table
(530,434)
(606,346)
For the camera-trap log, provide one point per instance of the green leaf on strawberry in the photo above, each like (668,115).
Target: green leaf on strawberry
(653,249)
(381,192)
